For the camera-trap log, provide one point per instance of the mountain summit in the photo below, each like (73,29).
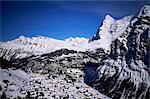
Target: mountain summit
(125,74)
(110,30)
(114,63)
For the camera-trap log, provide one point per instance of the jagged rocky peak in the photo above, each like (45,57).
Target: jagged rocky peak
(57,65)
(105,25)
(125,73)
(135,40)
(111,26)
(27,46)
(145,11)
(110,30)
(138,47)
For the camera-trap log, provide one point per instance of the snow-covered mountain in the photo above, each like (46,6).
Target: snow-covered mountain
(125,73)
(58,74)
(25,46)
(17,83)
(110,30)
(115,62)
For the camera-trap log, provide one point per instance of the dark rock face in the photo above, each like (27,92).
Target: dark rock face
(62,69)
(125,72)
(90,72)
(122,74)
(4,64)
(58,62)
(96,37)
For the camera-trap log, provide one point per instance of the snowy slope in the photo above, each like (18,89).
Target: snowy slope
(25,46)
(56,69)
(109,31)
(17,83)
(145,11)
(125,73)
(77,42)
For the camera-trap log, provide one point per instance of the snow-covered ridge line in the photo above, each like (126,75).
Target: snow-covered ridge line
(25,46)
(110,30)
(125,72)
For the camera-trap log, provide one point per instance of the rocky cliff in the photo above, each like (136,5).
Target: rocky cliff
(125,73)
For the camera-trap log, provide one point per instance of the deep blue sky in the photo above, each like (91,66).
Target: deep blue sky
(60,20)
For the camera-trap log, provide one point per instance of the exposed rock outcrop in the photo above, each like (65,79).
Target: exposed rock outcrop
(125,72)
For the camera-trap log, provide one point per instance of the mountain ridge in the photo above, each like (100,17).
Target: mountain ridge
(121,73)
(39,45)
(125,72)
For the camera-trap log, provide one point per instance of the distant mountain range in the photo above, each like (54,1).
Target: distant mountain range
(114,63)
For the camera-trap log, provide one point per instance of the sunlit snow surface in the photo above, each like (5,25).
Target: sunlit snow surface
(21,82)
(116,69)
(110,30)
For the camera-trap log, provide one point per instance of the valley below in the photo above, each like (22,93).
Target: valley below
(112,64)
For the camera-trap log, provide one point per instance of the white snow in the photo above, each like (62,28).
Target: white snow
(110,30)
(20,83)
(25,46)
(145,11)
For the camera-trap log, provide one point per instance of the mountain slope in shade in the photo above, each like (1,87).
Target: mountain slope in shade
(56,68)
(125,73)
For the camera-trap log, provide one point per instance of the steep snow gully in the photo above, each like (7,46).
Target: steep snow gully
(114,63)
